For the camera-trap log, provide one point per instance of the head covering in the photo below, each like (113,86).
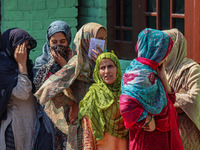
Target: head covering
(46,62)
(116,87)
(140,79)
(177,57)
(10,39)
(184,76)
(79,67)
(102,101)
(55,27)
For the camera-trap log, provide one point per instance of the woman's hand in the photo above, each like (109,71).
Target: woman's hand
(162,76)
(94,57)
(69,53)
(73,113)
(178,108)
(20,56)
(161,71)
(58,58)
(151,124)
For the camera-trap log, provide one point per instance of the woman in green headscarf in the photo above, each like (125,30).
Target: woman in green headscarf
(99,112)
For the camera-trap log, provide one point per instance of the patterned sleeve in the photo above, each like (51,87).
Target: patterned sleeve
(63,98)
(60,100)
(89,141)
(23,88)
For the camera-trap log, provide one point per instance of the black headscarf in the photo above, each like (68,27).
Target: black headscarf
(10,39)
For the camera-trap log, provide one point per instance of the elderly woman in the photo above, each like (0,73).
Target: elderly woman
(147,99)
(17,104)
(103,126)
(184,76)
(63,90)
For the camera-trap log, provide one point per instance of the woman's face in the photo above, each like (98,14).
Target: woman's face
(27,45)
(108,71)
(102,35)
(58,39)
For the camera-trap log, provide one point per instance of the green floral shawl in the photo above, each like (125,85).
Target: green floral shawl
(101,103)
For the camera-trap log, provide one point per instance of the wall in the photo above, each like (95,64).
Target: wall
(95,11)
(35,16)
(92,11)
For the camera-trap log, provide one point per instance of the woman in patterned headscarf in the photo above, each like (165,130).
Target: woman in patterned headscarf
(103,126)
(17,103)
(69,85)
(147,99)
(56,54)
(184,76)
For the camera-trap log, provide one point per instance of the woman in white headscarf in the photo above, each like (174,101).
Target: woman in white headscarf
(184,76)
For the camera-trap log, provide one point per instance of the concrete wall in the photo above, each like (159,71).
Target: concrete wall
(35,16)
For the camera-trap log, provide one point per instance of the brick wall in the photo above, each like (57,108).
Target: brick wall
(95,11)
(35,16)
(92,11)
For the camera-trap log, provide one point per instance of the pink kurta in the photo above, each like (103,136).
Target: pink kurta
(166,135)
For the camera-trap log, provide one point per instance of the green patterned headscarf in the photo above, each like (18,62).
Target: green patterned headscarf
(101,103)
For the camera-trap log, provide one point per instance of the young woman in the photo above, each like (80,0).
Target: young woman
(63,90)
(56,54)
(147,99)
(99,113)
(17,104)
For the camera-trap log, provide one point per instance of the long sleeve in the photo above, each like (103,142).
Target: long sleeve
(62,98)
(188,95)
(89,142)
(131,111)
(23,88)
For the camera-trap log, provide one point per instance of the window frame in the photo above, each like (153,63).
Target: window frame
(191,18)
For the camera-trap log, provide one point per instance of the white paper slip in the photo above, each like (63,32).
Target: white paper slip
(93,45)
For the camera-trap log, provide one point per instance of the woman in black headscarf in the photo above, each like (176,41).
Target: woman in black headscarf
(17,104)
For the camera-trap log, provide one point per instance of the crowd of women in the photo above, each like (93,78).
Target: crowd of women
(67,100)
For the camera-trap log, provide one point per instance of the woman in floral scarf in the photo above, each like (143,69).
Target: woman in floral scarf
(147,99)
(70,84)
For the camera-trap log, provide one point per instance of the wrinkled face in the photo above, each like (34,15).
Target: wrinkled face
(102,35)
(58,39)
(108,71)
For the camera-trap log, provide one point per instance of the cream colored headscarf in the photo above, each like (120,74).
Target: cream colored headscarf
(79,67)
(184,76)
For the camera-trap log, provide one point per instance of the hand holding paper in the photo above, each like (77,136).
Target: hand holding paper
(93,45)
